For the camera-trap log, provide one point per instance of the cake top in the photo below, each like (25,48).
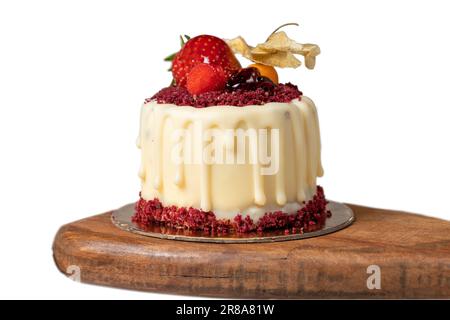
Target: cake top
(207,73)
(180,96)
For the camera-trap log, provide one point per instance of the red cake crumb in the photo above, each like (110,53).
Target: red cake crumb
(239,97)
(310,217)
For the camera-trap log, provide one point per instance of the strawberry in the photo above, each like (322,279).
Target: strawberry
(205,77)
(203,49)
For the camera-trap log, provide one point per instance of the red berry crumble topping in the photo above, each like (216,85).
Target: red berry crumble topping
(180,96)
(309,218)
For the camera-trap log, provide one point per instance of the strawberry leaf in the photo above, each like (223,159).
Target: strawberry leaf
(183,40)
(170,57)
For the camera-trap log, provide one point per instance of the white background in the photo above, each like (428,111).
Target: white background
(74,73)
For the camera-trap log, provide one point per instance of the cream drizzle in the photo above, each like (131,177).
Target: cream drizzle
(302,116)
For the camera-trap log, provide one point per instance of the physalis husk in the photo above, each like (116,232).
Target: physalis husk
(278,51)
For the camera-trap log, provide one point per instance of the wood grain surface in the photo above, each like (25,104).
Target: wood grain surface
(411,251)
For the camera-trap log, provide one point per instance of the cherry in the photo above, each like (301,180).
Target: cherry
(249,79)
(265,83)
(243,77)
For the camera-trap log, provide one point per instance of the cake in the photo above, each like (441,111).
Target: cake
(230,149)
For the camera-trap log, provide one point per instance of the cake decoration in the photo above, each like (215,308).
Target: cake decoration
(207,63)
(278,50)
(203,64)
(309,218)
(238,97)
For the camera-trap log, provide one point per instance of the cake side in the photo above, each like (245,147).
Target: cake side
(181,165)
(310,217)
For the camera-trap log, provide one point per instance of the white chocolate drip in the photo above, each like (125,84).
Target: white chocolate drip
(228,189)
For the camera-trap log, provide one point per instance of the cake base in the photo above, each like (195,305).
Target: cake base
(341,217)
(409,254)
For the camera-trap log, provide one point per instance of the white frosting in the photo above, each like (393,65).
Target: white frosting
(228,189)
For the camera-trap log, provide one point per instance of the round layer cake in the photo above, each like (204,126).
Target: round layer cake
(243,160)
(226,148)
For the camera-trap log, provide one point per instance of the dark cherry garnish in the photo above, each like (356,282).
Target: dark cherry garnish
(243,77)
(265,83)
(249,79)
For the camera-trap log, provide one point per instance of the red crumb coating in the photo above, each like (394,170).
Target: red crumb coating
(309,218)
(239,98)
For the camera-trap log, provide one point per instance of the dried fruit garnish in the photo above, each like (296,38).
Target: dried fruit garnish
(278,50)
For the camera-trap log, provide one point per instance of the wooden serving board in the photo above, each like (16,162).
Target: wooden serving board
(406,255)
